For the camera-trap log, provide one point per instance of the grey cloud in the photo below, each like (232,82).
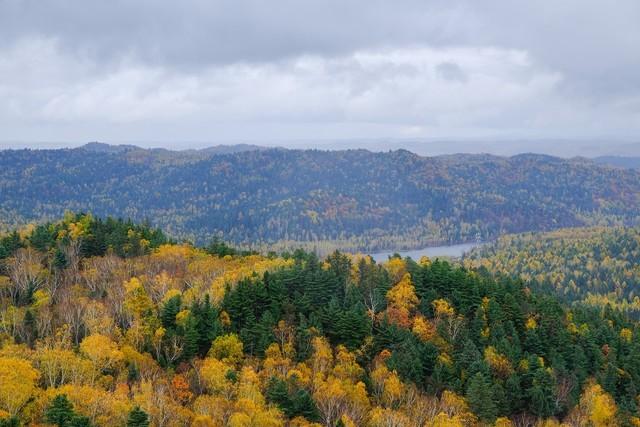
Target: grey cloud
(451,71)
(333,67)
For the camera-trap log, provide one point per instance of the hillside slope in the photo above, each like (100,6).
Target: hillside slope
(622,162)
(599,265)
(361,199)
(103,321)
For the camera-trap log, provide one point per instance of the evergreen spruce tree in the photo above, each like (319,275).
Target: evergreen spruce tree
(513,390)
(304,405)
(264,332)
(80,421)
(303,339)
(137,418)
(30,327)
(480,397)
(249,333)
(60,411)
(191,338)
(59,259)
(330,315)
(169,311)
(353,326)
(278,393)
(9,244)
(208,324)
(468,356)
(41,238)
(10,422)
(541,394)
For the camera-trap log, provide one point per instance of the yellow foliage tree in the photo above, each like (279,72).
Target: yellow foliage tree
(503,422)
(322,356)
(596,407)
(442,308)
(17,383)
(402,301)
(423,328)
(444,420)
(227,348)
(336,397)
(396,268)
(498,363)
(214,374)
(102,352)
(387,387)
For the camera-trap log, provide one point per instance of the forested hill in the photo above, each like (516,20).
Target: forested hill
(104,323)
(622,162)
(598,266)
(360,199)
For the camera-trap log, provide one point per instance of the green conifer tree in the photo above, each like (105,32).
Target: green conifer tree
(60,411)
(137,418)
(480,397)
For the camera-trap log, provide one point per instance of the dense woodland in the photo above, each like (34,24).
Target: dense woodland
(108,323)
(596,266)
(347,199)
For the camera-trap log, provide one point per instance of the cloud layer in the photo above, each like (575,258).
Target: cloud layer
(228,70)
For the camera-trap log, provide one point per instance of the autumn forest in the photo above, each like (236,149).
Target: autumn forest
(105,322)
(328,213)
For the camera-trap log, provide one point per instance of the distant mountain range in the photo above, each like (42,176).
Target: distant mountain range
(101,147)
(623,162)
(355,198)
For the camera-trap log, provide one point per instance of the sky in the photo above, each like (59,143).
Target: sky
(192,73)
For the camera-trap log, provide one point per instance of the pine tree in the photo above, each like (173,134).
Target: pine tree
(480,398)
(353,326)
(541,394)
(60,411)
(330,315)
(291,399)
(30,327)
(10,422)
(207,324)
(191,338)
(304,405)
(469,355)
(169,311)
(80,421)
(9,244)
(264,332)
(41,238)
(278,392)
(513,390)
(59,259)
(137,418)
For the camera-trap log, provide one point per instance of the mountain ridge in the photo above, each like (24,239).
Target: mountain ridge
(361,199)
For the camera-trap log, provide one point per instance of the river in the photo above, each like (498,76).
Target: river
(431,252)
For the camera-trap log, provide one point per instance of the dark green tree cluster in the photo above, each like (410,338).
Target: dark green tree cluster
(292,399)
(99,236)
(9,244)
(137,418)
(221,248)
(545,352)
(196,332)
(60,413)
(307,295)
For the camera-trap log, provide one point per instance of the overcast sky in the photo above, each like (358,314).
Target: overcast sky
(190,73)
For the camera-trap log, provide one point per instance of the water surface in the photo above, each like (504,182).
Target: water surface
(432,252)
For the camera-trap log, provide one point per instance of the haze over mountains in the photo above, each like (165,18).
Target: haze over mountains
(356,199)
(567,148)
